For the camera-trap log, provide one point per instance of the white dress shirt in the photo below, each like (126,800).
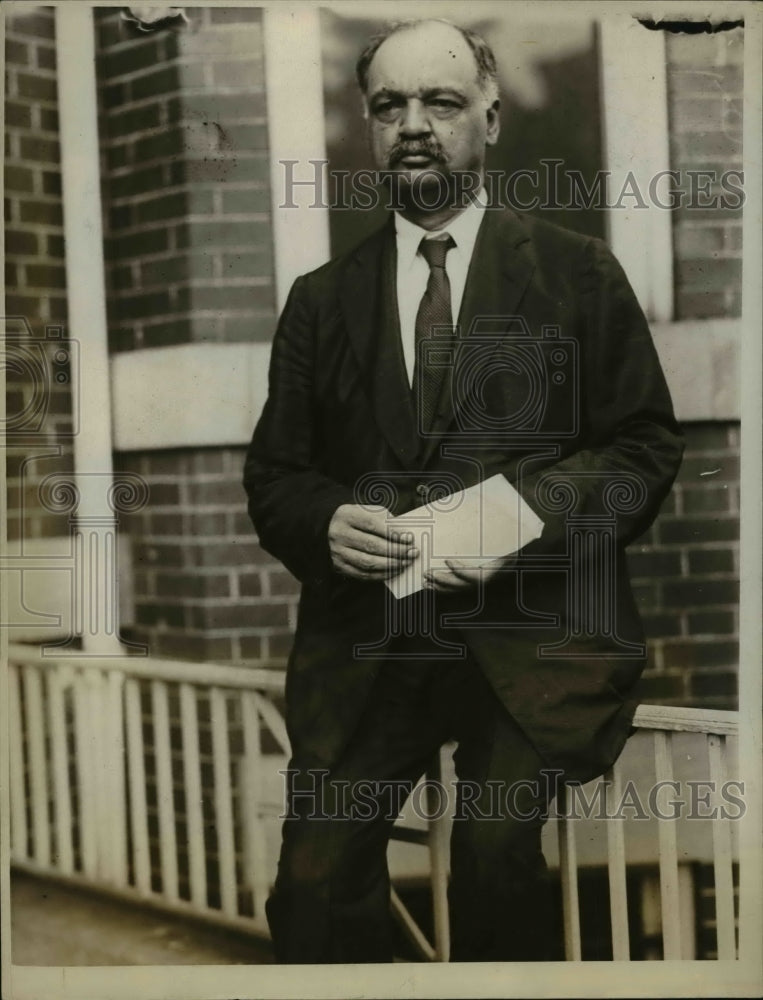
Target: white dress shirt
(413,270)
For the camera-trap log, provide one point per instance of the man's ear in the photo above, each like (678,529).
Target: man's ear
(493,123)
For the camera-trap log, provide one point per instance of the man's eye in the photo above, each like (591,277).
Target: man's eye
(444,104)
(386,110)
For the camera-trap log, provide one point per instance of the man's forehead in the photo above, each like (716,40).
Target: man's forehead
(423,58)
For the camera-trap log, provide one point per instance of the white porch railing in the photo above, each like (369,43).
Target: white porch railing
(158,780)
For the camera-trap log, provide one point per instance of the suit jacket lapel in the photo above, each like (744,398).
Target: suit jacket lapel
(369,305)
(499,272)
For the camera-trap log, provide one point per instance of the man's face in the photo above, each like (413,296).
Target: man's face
(426,112)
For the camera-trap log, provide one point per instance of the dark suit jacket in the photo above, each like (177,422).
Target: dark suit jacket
(558,387)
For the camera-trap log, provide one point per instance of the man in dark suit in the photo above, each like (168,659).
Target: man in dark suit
(380,402)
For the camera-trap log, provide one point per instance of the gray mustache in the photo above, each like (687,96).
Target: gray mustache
(430,149)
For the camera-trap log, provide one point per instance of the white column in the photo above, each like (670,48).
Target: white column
(635,118)
(86,296)
(294,88)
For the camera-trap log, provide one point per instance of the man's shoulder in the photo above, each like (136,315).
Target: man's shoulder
(365,250)
(544,234)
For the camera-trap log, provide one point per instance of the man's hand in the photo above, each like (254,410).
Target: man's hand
(460,577)
(364,546)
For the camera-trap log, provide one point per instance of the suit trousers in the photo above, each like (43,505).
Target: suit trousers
(331,897)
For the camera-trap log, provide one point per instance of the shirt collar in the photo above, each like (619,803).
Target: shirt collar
(463,228)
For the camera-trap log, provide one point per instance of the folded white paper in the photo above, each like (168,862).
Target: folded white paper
(476,526)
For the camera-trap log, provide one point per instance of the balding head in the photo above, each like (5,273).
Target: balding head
(438,33)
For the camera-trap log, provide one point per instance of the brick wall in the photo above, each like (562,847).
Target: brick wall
(189,258)
(204,587)
(36,351)
(186,174)
(685,572)
(705,108)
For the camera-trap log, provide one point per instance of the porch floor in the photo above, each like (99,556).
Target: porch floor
(55,924)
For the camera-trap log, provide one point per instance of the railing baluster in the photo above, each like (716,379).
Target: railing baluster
(38,770)
(255,846)
(568,866)
(618,893)
(223,804)
(164,791)
(439,857)
(670,907)
(114,683)
(189,720)
(722,855)
(99,764)
(62,806)
(136,771)
(87,792)
(19,831)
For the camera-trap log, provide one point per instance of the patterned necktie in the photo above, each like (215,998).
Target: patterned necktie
(434,311)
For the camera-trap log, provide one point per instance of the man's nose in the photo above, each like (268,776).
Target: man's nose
(414,120)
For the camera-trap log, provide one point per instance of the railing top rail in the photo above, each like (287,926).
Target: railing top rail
(670,718)
(155,668)
(687,720)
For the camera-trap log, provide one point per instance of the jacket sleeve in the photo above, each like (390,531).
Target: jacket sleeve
(289,501)
(632,442)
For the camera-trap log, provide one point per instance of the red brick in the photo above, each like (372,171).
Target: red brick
(165,206)
(17,116)
(219,298)
(661,624)
(694,593)
(130,120)
(654,563)
(249,584)
(46,57)
(247,265)
(215,492)
(20,242)
(714,684)
(712,623)
(658,687)
(699,529)
(692,653)
(130,59)
(138,244)
(48,120)
(18,179)
(154,84)
(55,245)
(207,523)
(37,88)
(709,469)
(711,561)
(16,53)
(241,74)
(138,181)
(51,182)
(228,553)
(711,274)
(46,275)
(36,23)
(272,615)
(251,647)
